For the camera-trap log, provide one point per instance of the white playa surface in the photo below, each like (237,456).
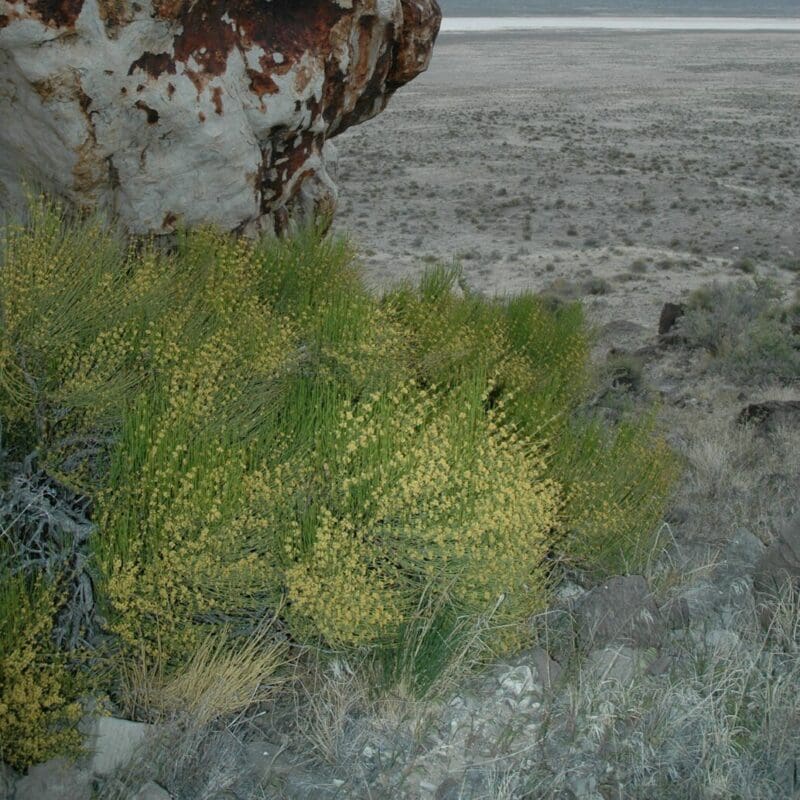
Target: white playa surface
(488,24)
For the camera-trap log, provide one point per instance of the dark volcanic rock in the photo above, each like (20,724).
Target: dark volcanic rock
(670,314)
(769,416)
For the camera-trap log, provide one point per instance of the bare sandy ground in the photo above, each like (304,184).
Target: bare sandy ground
(622,168)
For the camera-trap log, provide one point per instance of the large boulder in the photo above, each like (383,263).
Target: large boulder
(178,112)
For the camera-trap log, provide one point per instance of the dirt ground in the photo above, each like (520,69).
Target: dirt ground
(623,168)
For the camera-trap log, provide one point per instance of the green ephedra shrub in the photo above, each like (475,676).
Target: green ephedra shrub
(259,433)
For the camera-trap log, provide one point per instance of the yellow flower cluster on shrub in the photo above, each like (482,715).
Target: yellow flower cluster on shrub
(37,717)
(423,497)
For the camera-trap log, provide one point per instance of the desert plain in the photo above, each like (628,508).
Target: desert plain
(625,170)
(622,168)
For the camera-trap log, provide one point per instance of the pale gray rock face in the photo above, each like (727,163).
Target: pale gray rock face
(170,112)
(56,779)
(112,742)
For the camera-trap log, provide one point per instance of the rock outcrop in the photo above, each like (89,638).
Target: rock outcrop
(179,112)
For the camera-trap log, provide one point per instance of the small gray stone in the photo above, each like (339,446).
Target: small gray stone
(569,593)
(548,670)
(702,599)
(152,791)
(302,785)
(621,610)
(722,641)
(660,666)
(566,794)
(743,551)
(518,682)
(677,614)
(737,562)
(613,664)
(112,742)
(448,789)
(584,787)
(56,779)
(268,760)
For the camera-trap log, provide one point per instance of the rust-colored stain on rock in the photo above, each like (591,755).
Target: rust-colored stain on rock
(216,99)
(152,115)
(205,38)
(154,64)
(56,13)
(290,27)
(261,83)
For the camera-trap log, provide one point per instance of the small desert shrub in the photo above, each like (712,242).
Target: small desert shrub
(745,264)
(424,497)
(623,372)
(258,432)
(743,327)
(790,263)
(596,286)
(37,711)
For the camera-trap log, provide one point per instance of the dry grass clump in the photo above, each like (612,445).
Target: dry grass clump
(737,478)
(257,434)
(723,725)
(220,680)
